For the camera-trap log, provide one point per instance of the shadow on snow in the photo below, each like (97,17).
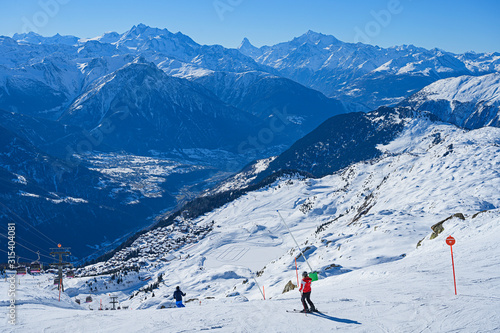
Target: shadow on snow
(339,320)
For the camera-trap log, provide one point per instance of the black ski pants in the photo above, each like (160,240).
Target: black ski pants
(307,297)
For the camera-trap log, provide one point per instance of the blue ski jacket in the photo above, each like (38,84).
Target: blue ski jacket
(178,295)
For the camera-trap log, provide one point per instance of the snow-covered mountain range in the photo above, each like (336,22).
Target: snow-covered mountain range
(466,101)
(365,74)
(153,111)
(152,96)
(74,81)
(62,66)
(106,136)
(90,104)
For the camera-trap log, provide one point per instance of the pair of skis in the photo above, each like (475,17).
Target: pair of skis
(302,311)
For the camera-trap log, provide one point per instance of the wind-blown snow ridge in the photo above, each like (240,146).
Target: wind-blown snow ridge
(466,89)
(466,101)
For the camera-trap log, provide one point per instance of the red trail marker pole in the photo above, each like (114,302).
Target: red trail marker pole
(451,241)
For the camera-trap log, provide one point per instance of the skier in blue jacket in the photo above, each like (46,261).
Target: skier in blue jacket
(178,297)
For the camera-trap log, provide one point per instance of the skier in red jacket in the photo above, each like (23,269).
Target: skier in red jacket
(305,289)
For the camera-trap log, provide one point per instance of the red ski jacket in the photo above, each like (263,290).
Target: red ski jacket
(305,285)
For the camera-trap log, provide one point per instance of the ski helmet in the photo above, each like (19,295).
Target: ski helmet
(304,274)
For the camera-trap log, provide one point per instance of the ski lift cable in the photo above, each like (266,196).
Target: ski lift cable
(21,257)
(29,259)
(35,252)
(28,224)
(41,255)
(25,241)
(36,235)
(105,251)
(52,241)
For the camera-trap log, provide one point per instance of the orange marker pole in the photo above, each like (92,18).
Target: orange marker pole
(451,241)
(263,293)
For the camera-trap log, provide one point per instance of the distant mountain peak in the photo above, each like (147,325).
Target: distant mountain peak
(248,49)
(317,38)
(30,33)
(245,44)
(27,37)
(145,29)
(34,38)
(313,33)
(139,26)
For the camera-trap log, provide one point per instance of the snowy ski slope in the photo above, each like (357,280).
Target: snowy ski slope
(359,229)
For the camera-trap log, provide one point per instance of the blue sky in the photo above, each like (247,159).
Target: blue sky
(455,26)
